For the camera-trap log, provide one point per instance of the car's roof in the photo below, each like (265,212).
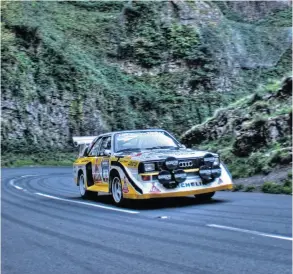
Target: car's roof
(130,131)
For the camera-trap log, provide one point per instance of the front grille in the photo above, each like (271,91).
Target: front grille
(183,164)
(186,164)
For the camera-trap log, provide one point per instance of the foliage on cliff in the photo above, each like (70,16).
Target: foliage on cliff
(86,67)
(252,135)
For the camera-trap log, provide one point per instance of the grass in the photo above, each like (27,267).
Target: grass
(38,159)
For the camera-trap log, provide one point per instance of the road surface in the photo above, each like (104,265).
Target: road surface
(48,228)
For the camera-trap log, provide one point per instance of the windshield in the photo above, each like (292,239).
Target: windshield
(135,141)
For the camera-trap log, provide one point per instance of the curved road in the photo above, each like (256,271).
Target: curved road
(48,228)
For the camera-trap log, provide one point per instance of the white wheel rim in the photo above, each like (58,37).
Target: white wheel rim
(116,190)
(81,185)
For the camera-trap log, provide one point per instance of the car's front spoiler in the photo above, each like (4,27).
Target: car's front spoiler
(177,194)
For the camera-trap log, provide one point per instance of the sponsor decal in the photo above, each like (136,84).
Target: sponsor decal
(171,163)
(123,160)
(205,172)
(165,177)
(105,170)
(96,172)
(216,172)
(179,176)
(154,189)
(125,188)
(209,159)
(192,184)
(132,164)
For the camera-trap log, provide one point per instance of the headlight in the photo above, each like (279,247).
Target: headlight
(149,167)
(217,161)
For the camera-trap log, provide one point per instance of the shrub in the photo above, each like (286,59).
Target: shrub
(271,187)
(249,189)
(237,187)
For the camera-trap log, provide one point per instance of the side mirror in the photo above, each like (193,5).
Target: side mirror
(182,146)
(107,152)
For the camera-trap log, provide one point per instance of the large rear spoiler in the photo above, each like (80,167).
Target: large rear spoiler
(82,142)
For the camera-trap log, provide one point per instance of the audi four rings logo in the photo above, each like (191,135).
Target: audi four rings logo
(185,164)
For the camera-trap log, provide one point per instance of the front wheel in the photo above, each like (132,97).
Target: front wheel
(205,196)
(84,193)
(116,189)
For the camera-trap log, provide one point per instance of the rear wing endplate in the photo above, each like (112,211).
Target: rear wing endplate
(82,142)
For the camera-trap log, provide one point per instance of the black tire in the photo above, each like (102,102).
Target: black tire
(204,197)
(84,193)
(116,190)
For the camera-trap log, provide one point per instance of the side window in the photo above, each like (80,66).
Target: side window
(95,148)
(106,144)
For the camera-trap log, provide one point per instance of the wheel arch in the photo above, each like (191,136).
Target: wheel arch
(114,172)
(79,173)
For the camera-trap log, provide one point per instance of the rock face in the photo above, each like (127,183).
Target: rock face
(92,66)
(257,122)
(254,10)
(37,125)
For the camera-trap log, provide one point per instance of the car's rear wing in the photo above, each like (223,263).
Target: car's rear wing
(82,142)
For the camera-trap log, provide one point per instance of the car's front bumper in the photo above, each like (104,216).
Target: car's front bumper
(178,193)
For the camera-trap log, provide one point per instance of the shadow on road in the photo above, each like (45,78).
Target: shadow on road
(161,203)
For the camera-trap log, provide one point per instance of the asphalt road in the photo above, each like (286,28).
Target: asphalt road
(48,228)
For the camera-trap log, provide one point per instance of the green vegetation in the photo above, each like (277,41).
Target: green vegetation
(263,156)
(69,51)
(273,188)
(38,159)
(73,56)
(237,187)
(279,18)
(249,188)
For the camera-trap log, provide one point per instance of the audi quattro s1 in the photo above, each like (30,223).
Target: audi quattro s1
(144,164)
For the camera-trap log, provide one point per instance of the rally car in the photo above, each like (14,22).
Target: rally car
(143,164)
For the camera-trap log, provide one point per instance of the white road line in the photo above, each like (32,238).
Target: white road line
(11,182)
(250,232)
(83,203)
(23,176)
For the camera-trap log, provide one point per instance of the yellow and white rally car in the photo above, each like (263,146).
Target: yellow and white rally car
(143,164)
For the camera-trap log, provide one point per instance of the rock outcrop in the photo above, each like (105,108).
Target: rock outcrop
(255,122)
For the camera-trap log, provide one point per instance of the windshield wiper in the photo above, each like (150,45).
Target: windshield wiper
(162,147)
(128,149)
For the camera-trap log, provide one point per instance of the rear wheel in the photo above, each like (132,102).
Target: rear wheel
(116,190)
(205,196)
(84,193)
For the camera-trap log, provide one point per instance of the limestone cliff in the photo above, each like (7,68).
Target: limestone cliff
(83,68)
